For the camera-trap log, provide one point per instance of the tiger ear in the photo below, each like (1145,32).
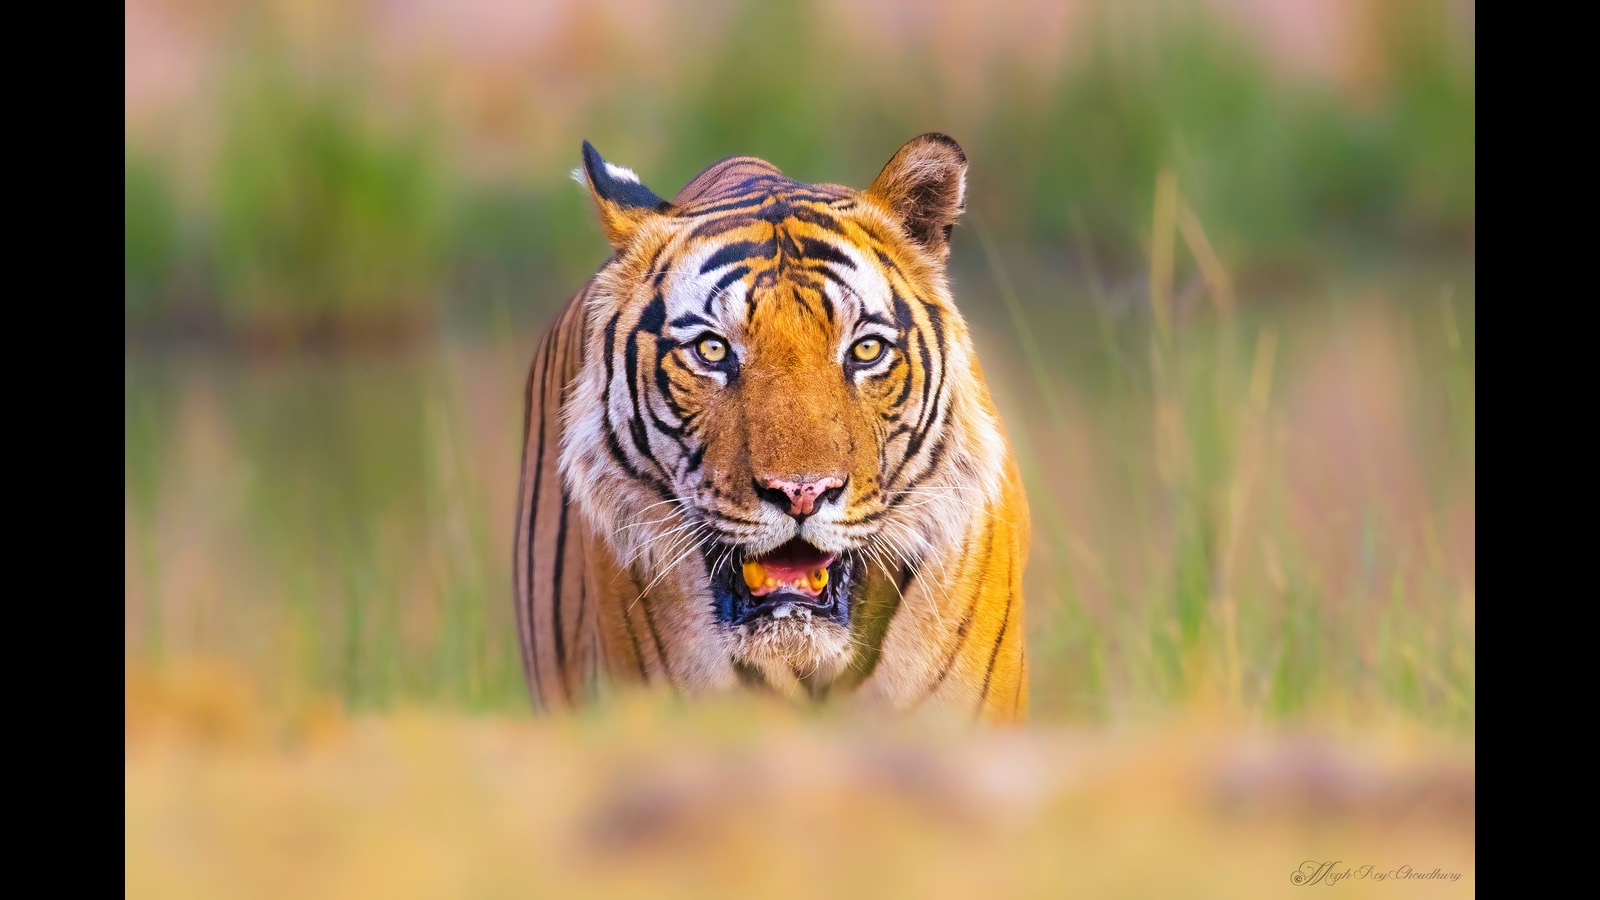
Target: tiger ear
(623,202)
(924,186)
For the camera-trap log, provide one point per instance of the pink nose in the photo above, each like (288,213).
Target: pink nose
(803,494)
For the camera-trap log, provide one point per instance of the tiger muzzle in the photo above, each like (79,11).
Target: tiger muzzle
(795,577)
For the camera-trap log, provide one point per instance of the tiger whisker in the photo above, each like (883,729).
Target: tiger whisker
(695,546)
(677,544)
(667,518)
(947,490)
(893,581)
(939,491)
(658,539)
(888,548)
(944,592)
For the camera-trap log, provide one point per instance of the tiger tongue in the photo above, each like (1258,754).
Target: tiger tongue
(794,561)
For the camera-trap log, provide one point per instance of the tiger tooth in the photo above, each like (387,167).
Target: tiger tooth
(818,579)
(755,575)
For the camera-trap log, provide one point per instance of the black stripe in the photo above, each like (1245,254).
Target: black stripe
(610,338)
(729,277)
(761,179)
(687,319)
(720,226)
(966,620)
(934,455)
(555,606)
(926,355)
(664,387)
(520,546)
(879,238)
(920,343)
(641,440)
(739,252)
(633,638)
(551,338)
(995,653)
(661,650)
(614,447)
(654,316)
(836,278)
(650,264)
(813,250)
(814,216)
(905,388)
(726,205)
(936,319)
(936,411)
(583,597)
(1022,676)
(636,424)
(796,193)
(928,415)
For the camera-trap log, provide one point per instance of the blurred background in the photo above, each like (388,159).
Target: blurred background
(1219,261)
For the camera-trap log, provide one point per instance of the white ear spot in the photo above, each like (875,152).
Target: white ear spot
(622,173)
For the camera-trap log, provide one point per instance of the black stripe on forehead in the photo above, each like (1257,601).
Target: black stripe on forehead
(721,225)
(815,251)
(723,283)
(812,215)
(687,319)
(737,252)
(784,246)
(755,192)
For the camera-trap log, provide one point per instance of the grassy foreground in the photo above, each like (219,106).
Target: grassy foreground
(228,797)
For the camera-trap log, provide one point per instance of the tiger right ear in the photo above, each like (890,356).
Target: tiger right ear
(924,186)
(622,201)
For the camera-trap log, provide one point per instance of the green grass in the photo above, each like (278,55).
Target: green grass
(329,201)
(343,525)
(150,236)
(318,212)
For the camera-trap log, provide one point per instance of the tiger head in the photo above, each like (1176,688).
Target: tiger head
(778,396)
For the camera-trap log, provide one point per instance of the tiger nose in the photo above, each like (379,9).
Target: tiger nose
(801,496)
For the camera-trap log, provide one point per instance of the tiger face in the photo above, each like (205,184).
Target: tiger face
(778,401)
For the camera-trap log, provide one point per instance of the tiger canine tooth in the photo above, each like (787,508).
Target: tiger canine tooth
(755,575)
(818,579)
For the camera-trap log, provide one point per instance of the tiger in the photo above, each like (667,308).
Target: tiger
(759,453)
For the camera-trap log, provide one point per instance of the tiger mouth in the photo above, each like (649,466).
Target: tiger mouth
(794,578)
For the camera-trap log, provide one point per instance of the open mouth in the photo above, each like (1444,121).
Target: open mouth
(793,578)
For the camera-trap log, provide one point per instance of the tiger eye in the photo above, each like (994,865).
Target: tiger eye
(712,350)
(868,350)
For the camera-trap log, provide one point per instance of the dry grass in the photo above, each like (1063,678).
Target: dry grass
(227,797)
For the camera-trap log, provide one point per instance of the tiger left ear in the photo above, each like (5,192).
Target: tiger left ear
(621,200)
(924,186)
